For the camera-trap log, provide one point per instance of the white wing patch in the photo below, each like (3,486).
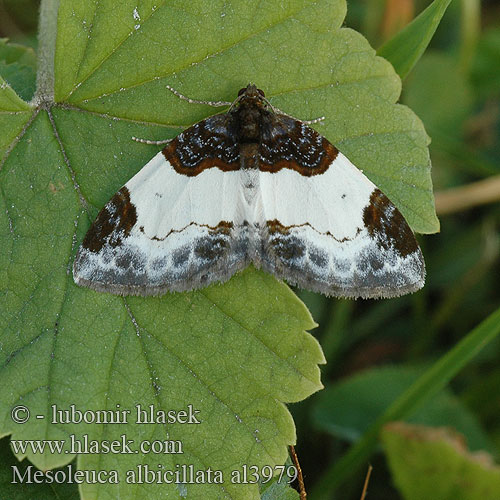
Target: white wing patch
(165,231)
(330,202)
(171,201)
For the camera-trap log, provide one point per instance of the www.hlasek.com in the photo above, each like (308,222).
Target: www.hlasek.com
(84,445)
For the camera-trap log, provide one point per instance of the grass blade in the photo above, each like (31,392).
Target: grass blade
(405,49)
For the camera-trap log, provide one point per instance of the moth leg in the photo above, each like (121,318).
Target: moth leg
(147,141)
(196,101)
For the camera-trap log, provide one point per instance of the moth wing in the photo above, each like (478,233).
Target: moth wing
(326,226)
(174,226)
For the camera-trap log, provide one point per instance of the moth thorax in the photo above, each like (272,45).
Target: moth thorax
(249,123)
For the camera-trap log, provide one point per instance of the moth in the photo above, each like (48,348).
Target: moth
(251,185)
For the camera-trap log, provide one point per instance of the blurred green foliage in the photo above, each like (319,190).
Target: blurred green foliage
(24,491)
(455,89)
(460,107)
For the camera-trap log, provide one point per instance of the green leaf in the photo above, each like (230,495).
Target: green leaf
(434,463)
(14,113)
(18,68)
(406,48)
(280,491)
(15,53)
(12,124)
(233,352)
(429,384)
(236,352)
(11,469)
(278,488)
(337,409)
(10,102)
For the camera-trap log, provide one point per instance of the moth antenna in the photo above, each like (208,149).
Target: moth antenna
(147,141)
(196,101)
(307,122)
(314,120)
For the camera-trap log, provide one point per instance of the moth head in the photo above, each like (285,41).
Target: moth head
(251,95)
(251,91)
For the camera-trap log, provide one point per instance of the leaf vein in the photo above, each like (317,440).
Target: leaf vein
(199,61)
(252,333)
(181,362)
(18,137)
(201,382)
(115,117)
(83,201)
(112,51)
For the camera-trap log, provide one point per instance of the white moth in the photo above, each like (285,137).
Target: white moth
(257,186)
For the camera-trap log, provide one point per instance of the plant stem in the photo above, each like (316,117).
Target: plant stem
(47,34)
(464,197)
(470,29)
